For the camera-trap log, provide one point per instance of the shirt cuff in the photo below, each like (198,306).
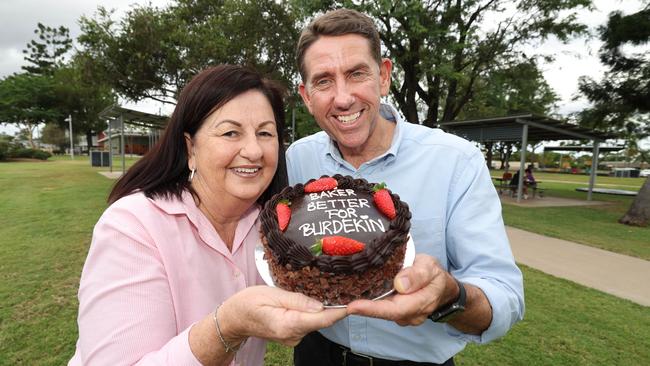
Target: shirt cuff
(176,352)
(504,312)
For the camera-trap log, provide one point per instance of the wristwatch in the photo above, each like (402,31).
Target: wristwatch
(448,311)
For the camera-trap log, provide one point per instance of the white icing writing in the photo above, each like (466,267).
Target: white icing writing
(335,227)
(340,207)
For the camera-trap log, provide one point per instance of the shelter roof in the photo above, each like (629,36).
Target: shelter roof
(583,148)
(510,128)
(133,117)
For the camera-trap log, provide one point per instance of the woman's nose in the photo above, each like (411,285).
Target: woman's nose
(251,149)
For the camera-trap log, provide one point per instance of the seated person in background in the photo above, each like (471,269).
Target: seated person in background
(515,182)
(529,179)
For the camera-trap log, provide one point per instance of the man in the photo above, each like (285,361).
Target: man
(464,259)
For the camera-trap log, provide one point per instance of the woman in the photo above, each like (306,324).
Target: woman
(167,277)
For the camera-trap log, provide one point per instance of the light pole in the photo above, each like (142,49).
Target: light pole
(69,119)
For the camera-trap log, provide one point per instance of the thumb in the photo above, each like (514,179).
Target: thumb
(411,279)
(300,302)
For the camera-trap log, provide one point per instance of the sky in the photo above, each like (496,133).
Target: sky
(19,18)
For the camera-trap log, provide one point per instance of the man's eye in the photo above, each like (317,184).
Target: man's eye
(322,82)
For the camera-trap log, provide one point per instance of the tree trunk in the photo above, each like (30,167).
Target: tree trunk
(639,212)
(488,155)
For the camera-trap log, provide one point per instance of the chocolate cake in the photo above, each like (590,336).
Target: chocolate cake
(335,239)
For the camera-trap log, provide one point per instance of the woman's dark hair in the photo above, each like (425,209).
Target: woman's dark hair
(163,171)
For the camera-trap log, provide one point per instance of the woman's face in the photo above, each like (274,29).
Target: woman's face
(235,151)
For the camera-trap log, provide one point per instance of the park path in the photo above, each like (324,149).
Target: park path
(620,275)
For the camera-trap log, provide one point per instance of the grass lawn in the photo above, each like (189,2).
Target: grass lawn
(48,210)
(591,225)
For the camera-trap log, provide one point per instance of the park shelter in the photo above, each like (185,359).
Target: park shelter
(524,128)
(118,117)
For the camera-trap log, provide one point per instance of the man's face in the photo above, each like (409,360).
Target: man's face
(342,88)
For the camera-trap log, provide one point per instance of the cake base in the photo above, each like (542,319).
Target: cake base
(337,288)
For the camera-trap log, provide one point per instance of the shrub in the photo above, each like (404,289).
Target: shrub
(40,154)
(22,152)
(4,150)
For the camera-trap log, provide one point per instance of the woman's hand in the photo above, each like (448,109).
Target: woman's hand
(273,314)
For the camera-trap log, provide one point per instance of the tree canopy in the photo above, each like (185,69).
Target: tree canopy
(621,99)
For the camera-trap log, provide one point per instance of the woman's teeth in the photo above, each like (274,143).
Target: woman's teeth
(246,170)
(349,118)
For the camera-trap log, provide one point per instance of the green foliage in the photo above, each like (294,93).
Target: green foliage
(520,88)
(46,53)
(55,135)
(621,98)
(152,53)
(27,153)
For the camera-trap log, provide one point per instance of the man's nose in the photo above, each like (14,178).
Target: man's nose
(343,99)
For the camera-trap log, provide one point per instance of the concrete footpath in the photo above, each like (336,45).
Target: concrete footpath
(620,275)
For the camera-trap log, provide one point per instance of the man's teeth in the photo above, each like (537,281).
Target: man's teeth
(350,118)
(246,170)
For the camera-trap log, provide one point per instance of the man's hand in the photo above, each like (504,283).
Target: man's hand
(421,289)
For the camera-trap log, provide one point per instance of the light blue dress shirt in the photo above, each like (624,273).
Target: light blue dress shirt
(456,219)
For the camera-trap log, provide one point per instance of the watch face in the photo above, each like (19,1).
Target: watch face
(450,313)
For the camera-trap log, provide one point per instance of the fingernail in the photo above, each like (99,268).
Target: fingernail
(404,284)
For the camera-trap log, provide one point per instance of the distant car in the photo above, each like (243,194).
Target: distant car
(644,173)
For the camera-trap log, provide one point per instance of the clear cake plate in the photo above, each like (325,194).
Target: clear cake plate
(265,271)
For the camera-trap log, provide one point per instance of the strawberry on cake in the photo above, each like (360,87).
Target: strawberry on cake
(336,239)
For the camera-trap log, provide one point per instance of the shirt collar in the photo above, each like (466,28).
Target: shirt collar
(186,206)
(390,113)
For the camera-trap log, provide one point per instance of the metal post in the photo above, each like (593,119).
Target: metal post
(594,167)
(110,147)
(522,161)
(69,119)
(293,124)
(122,144)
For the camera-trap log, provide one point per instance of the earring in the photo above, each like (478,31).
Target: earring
(192,174)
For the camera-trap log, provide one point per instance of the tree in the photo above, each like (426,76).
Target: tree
(47,53)
(442,48)
(27,100)
(152,53)
(621,99)
(55,135)
(80,96)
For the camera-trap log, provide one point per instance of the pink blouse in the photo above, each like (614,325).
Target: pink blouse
(155,267)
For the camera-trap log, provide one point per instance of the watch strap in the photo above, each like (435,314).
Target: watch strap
(445,312)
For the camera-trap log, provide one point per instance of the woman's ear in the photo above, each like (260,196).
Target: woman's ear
(189,144)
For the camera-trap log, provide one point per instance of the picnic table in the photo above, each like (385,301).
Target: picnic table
(504,185)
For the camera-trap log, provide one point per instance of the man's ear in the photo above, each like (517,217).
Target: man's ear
(302,89)
(385,68)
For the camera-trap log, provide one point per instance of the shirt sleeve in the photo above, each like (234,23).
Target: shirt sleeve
(126,313)
(478,248)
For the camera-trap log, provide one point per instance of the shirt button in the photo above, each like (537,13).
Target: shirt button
(356,337)
(236,274)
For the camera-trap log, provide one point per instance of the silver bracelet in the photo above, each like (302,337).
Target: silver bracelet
(226,346)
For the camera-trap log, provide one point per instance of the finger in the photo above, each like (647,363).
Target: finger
(385,309)
(308,322)
(298,302)
(420,274)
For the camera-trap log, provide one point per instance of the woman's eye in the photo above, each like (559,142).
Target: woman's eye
(266,133)
(230,134)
